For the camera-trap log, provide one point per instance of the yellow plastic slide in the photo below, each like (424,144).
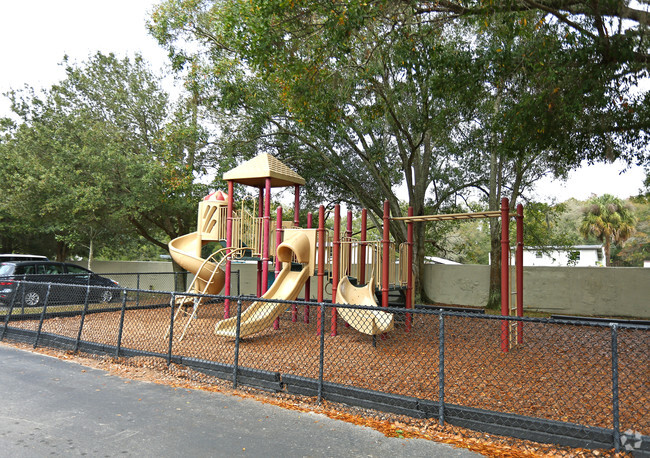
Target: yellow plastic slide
(185,251)
(287,285)
(370,322)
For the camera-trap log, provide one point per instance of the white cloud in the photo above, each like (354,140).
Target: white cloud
(36,34)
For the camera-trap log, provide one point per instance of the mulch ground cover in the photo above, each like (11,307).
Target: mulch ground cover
(559,372)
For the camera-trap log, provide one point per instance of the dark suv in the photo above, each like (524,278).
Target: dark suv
(22,257)
(68,284)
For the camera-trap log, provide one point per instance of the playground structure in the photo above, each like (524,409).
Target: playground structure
(251,234)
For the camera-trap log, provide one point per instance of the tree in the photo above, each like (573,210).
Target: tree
(362,96)
(99,153)
(610,220)
(637,248)
(55,175)
(356,118)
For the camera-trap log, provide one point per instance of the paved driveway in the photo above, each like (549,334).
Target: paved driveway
(54,407)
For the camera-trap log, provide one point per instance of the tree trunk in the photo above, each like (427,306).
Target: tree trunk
(418,274)
(61,251)
(180,278)
(494,294)
(91,254)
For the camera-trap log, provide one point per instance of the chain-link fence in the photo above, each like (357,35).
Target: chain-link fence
(163,281)
(575,383)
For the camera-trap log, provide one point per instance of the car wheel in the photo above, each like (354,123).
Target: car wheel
(107,295)
(32,298)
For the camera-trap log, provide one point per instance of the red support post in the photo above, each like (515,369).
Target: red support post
(310,222)
(519,268)
(348,248)
(505,271)
(385,255)
(278,237)
(260,214)
(226,311)
(321,264)
(348,236)
(296,206)
(278,264)
(267,232)
(335,264)
(409,275)
(362,247)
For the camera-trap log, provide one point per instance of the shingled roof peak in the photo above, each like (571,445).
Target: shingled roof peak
(254,172)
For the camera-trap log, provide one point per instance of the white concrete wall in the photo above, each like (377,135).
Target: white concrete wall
(595,291)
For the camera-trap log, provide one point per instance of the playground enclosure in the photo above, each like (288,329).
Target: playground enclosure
(574,383)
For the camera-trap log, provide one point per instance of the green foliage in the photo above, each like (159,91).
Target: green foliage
(363,96)
(543,228)
(466,241)
(636,249)
(608,219)
(97,158)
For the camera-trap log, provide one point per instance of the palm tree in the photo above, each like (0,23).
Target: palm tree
(609,220)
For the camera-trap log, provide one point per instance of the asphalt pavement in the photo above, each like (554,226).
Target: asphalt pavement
(55,407)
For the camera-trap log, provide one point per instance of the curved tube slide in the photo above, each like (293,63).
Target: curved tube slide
(370,322)
(183,250)
(287,285)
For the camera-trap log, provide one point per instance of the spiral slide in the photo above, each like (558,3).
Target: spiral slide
(370,322)
(184,250)
(287,285)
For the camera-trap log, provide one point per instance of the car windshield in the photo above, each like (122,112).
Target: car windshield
(7,269)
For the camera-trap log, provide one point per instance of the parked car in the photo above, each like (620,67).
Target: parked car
(68,281)
(22,257)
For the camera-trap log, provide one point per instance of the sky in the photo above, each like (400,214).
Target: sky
(36,34)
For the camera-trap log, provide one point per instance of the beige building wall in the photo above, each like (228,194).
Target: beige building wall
(248,276)
(103,267)
(248,282)
(594,291)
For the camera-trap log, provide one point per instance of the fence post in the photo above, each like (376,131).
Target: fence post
(172,301)
(237,338)
(83,318)
(121,328)
(40,323)
(615,405)
(519,271)
(321,363)
(22,300)
(9,312)
(321,264)
(336,266)
(441,370)
(137,287)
